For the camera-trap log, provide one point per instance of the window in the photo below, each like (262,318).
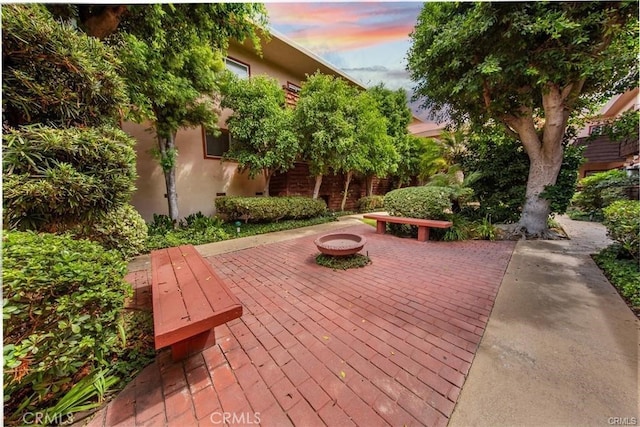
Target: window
(598,129)
(238,68)
(216,146)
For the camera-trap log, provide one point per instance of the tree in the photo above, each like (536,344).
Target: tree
(393,106)
(323,123)
(371,151)
(263,140)
(172,58)
(527,66)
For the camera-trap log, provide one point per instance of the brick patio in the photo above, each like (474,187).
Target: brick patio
(389,344)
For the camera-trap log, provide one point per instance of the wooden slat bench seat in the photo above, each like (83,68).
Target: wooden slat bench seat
(189,300)
(423,224)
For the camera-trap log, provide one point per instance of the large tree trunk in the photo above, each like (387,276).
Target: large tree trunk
(167,150)
(267,180)
(101,21)
(369,181)
(316,189)
(346,190)
(545,156)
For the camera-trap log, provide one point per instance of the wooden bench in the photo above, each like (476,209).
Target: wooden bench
(423,224)
(189,300)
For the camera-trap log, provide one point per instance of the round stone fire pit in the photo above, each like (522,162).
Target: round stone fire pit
(340,244)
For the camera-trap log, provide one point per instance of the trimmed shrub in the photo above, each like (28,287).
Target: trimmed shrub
(599,191)
(269,209)
(371,203)
(55,75)
(624,274)
(58,177)
(419,202)
(122,229)
(63,300)
(622,219)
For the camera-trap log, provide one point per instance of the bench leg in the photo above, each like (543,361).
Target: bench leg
(185,348)
(381,227)
(423,234)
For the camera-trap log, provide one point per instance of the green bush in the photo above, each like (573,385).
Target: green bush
(371,203)
(419,202)
(57,177)
(195,229)
(122,229)
(623,273)
(269,209)
(599,191)
(622,219)
(54,74)
(63,300)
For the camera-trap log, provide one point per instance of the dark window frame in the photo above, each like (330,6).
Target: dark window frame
(223,133)
(239,62)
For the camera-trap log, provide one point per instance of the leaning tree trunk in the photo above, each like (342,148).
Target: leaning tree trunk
(545,156)
(267,180)
(370,185)
(168,164)
(316,189)
(346,190)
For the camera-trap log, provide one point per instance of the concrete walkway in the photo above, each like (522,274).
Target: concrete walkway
(561,346)
(404,341)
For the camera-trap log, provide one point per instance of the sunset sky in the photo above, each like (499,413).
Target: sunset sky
(368,41)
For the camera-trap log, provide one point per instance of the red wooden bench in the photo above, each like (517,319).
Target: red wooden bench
(189,300)
(423,224)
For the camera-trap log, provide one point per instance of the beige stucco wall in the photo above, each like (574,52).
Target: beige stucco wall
(198,178)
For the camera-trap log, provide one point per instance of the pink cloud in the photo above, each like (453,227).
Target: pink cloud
(343,26)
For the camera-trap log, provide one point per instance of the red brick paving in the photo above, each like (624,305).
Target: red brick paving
(388,344)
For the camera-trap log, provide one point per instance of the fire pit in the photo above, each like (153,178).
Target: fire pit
(340,244)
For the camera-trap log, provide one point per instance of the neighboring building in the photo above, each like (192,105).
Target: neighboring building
(427,129)
(201,175)
(601,153)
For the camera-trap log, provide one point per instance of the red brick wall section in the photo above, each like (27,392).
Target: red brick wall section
(299,182)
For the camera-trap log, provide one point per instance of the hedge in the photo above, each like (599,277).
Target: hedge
(622,219)
(63,300)
(371,203)
(419,202)
(269,209)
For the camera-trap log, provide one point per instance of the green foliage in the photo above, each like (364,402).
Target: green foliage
(343,262)
(502,166)
(622,219)
(370,203)
(122,229)
(419,202)
(485,230)
(266,209)
(473,60)
(599,191)
(172,58)
(54,75)
(262,128)
(322,120)
(195,229)
(622,128)
(623,273)
(62,311)
(63,176)
(462,229)
(253,229)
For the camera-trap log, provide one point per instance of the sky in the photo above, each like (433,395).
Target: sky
(368,41)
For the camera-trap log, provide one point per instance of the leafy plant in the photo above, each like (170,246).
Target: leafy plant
(485,230)
(56,178)
(599,191)
(623,273)
(62,315)
(419,202)
(622,219)
(343,262)
(122,229)
(266,209)
(370,203)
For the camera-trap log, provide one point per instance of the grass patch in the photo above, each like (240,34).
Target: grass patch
(343,262)
(623,273)
(371,222)
(253,229)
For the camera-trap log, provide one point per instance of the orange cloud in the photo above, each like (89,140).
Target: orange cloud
(343,26)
